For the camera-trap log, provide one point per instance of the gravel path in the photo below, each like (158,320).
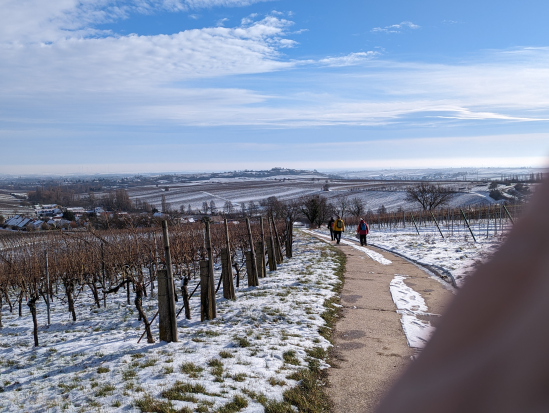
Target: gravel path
(371,349)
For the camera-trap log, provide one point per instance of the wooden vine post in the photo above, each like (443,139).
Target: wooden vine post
(103,274)
(259,259)
(253,279)
(278,248)
(436,223)
(166,294)
(207,282)
(414,221)
(467,222)
(263,261)
(185,293)
(509,215)
(47,287)
(205,308)
(270,249)
(227,267)
(289,237)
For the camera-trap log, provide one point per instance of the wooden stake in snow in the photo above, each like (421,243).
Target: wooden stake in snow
(414,221)
(289,237)
(185,294)
(211,312)
(467,222)
(263,260)
(509,215)
(167,291)
(260,259)
(278,248)
(270,249)
(206,303)
(47,288)
(436,223)
(227,267)
(253,279)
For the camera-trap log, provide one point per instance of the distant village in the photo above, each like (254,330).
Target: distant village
(53,216)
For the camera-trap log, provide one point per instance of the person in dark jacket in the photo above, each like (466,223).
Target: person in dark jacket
(339,227)
(362,230)
(331,227)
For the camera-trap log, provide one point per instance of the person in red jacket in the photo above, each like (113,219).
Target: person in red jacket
(363,230)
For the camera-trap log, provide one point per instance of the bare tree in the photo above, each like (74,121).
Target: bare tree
(291,209)
(357,207)
(205,207)
(341,205)
(325,212)
(429,196)
(213,208)
(315,209)
(228,207)
(252,208)
(273,207)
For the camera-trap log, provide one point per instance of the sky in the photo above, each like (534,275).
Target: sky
(104,86)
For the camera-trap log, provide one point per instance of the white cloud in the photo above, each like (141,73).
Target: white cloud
(128,61)
(23,21)
(348,60)
(221,22)
(395,28)
(145,79)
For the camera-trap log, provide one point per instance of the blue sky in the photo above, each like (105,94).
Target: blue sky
(189,85)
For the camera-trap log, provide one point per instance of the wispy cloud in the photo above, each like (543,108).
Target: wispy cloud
(23,21)
(221,22)
(348,60)
(395,28)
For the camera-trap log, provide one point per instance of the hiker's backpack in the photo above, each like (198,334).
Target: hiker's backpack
(339,223)
(363,226)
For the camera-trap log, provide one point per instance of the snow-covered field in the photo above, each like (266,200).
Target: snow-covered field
(195,194)
(456,253)
(95,364)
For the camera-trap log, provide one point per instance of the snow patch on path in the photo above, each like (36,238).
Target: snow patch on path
(372,254)
(410,304)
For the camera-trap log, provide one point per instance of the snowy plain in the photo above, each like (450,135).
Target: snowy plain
(96,364)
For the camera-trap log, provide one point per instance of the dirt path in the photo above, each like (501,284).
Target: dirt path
(371,348)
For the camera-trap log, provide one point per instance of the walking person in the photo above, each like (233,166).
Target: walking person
(339,227)
(362,230)
(331,227)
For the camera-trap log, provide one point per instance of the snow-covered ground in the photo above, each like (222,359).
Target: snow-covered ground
(95,364)
(410,304)
(456,253)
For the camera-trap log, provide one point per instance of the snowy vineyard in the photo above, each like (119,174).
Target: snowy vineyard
(447,248)
(482,220)
(59,266)
(250,358)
